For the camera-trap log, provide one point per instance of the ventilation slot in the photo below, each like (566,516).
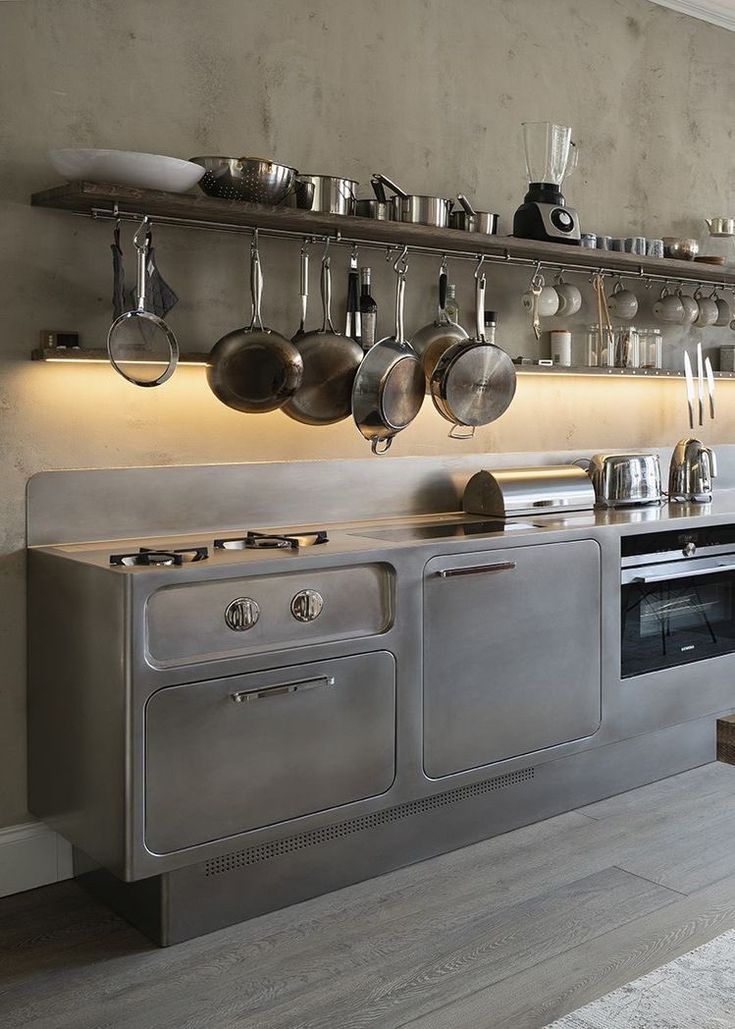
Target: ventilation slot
(315,837)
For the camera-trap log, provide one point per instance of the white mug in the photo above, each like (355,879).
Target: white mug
(622,303)
(548,301)
(570,298)
(669,308)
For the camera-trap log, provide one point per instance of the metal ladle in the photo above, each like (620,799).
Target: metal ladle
(139,339)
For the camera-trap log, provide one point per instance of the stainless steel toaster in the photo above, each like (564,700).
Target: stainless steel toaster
(506,492)
(622,480)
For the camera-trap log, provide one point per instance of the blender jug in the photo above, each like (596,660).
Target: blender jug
(550,152)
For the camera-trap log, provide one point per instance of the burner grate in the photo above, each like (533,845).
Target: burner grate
(149,557)
(272,541)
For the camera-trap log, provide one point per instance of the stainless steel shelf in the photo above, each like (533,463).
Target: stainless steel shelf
(616,373)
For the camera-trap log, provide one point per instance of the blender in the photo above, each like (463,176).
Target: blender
(550,155)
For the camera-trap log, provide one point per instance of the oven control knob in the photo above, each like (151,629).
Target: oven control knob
(307,605)
(690,549)
(242,614)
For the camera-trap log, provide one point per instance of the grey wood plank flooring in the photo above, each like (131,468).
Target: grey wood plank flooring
(512,932)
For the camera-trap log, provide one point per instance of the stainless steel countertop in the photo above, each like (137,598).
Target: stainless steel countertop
(348,538)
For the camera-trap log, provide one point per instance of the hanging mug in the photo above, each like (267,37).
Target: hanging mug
(707,312)
(622,303)
(570,297)
(691,307)
(669,308)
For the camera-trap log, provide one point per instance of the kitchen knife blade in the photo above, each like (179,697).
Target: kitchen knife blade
(690,387)
(700,383)
(710,386)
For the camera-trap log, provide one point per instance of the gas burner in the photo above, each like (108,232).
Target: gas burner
(150,557)
(272,541)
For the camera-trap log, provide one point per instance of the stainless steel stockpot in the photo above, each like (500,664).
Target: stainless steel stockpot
(326,194)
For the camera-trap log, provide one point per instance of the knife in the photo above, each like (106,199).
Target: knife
(700,383)
(690,387)
(710,386)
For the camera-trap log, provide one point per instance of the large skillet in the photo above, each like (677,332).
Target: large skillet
(330,362)
(254,369)
(390,385)
(473,381)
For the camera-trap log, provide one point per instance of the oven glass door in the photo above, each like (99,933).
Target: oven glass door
(668,621)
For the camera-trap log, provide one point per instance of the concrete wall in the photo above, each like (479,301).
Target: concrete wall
(430,91)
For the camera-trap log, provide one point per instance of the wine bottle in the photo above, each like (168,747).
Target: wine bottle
(368,312)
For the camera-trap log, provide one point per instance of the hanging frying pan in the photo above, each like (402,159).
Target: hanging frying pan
(474,381)
(433,339)
(254,369)
(390,385)
(330,362)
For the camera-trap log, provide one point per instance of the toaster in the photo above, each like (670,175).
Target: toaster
(622,480)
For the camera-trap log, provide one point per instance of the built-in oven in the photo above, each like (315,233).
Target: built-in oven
(677,598)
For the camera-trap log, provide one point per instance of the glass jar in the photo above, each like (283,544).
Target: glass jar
(651,343)
(586,347)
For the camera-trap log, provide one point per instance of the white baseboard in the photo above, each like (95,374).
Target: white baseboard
(32,855)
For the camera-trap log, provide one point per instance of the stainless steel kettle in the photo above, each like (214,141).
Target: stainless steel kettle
(692,469)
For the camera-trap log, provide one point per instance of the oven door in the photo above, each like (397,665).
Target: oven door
(676,613)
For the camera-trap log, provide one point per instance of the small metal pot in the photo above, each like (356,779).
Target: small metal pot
(414,207)
(329,194)
(379,210)
(480,221)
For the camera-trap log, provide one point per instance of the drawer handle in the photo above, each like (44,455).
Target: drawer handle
(245,696)
(500,566)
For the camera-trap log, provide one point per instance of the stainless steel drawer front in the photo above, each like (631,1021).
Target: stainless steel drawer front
(239,753)
(201,621)
(511,653)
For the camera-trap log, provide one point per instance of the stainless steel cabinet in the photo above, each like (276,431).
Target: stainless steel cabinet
(511,653)
(239,753)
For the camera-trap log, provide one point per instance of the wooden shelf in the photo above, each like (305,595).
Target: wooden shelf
(199,211)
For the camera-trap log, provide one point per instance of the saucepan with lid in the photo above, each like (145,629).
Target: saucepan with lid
(389,386)
(474,380)
(414,207)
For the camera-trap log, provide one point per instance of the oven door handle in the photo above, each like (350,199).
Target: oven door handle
(690,573)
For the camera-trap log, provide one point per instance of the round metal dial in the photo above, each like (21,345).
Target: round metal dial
(307,605)
(242,614)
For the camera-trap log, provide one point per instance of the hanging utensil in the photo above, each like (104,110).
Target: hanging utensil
(474,380)
(710,386)
(139,343)
(330,362)
(161,297)
(352,319)
(433,339)
(254,369)
(303,291)
(389,386)
(690,387)
(700,383)
(118,274)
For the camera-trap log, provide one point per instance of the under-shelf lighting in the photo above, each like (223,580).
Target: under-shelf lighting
(78,355)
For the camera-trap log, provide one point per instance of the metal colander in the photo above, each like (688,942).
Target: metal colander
(245,178)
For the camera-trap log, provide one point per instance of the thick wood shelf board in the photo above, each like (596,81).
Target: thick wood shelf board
(86,197)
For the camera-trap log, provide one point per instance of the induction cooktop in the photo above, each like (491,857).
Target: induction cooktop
(442,530)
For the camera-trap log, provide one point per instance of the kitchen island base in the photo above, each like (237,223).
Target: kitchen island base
(246,882)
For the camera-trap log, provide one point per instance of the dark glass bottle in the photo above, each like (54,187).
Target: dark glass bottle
(368,312)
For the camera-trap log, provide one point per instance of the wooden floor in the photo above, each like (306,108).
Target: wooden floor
(507,934)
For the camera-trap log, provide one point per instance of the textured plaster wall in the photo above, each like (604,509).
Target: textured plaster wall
(430,91)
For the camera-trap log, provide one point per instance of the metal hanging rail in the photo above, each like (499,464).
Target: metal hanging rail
(338,239)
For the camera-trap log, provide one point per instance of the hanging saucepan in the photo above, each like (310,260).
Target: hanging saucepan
(431,340)
(140,345)
(254,369)
(412,207)
(474,381)
(389,386)
(330,362)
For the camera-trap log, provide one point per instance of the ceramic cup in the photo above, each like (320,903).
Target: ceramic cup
(622,303)
(669,308)
(707,312)
(691,308)
(548,301)
(570,298)
(723,311)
